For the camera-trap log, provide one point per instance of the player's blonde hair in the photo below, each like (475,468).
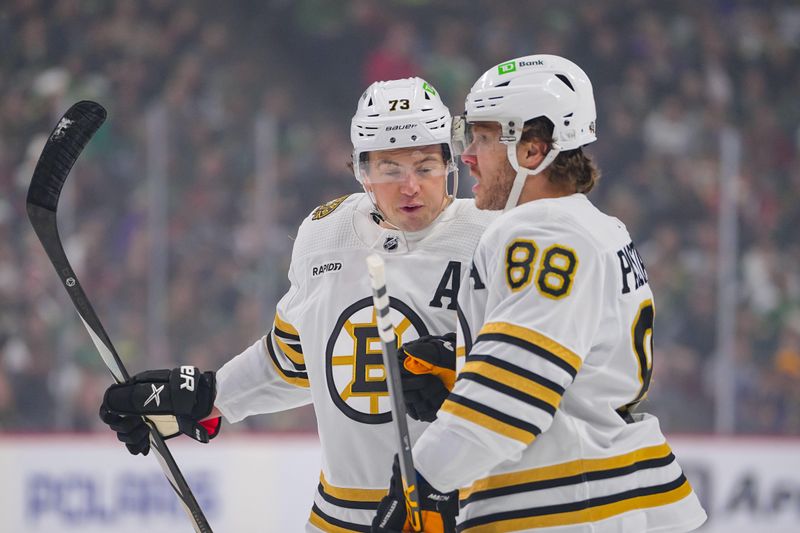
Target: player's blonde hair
(570,167)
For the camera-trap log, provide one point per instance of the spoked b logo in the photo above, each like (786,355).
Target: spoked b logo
(354,361)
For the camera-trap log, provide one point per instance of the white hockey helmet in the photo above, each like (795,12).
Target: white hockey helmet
(399,114)
(528,87)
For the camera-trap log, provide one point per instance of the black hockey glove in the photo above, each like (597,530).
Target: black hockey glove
(438,509)
(174,400)
(131,430)
(428,372)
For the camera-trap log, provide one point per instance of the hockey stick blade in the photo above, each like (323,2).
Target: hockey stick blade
(59,154)
(62,149)
(380,299)
(65,144)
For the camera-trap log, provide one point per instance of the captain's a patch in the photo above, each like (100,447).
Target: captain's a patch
(327,208)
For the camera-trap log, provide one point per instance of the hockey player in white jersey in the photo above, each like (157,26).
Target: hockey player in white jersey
(539,432)
(323,347)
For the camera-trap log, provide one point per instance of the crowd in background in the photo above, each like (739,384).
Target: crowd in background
(668,77)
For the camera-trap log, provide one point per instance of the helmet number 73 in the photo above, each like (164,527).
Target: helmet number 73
(405,103)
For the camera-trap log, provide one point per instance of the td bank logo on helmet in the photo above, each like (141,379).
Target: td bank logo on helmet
(511,66)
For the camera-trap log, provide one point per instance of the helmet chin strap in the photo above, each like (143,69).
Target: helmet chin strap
(523,173)
(454,166)
(377,214)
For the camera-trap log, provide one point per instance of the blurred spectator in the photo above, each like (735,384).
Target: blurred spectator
(448,64)
(394,57)
(668,130)
(229,124)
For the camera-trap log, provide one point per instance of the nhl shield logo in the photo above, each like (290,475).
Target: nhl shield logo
(391,243)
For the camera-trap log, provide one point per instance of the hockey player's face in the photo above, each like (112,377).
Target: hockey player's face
(409,184)
(488,164)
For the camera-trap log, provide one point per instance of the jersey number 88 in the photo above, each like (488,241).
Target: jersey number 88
(553,275)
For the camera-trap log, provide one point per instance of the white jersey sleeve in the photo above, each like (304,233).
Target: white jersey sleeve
(270,375)
(537,318)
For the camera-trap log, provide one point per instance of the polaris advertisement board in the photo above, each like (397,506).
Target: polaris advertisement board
(93,485)
(253,484)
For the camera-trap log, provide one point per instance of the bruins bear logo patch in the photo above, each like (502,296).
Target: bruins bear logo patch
(327,208)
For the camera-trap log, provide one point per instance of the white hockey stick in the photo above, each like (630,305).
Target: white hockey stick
(380,298)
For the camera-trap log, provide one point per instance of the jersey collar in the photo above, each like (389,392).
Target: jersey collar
(389,240)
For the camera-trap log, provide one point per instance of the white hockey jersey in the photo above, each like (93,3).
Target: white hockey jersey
(324,346)
(556,320)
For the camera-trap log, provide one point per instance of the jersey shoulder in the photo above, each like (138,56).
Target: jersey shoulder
(459,230)
(328,226)
(466,212)
(571,219)
(330,207)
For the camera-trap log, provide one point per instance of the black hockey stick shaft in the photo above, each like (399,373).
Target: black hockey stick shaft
(60,152)
(380,299)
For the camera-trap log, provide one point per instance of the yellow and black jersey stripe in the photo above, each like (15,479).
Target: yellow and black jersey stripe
(501,376)
(286,353)
(490,418)
(514,381)
(288,340)
(574,473)
(329,524)
(295,375)
(344,500)
(534,342)
(349,497)
(569,473)
(590,510)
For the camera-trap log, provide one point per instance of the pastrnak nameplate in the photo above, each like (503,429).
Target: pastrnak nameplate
(327,208)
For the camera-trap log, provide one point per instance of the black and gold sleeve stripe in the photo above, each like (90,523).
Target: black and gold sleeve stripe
(288,340)
(513,381)
(290,371)
(285,330)
(490,418)
(534,342)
